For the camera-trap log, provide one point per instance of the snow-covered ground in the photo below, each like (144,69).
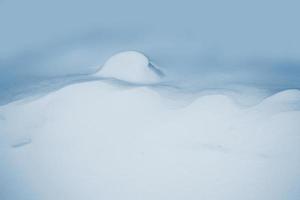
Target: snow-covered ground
(115,138)
(207,109)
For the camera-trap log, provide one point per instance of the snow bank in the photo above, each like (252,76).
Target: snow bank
(130,66)
(98,141)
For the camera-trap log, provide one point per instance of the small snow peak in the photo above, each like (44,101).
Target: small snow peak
(130,66)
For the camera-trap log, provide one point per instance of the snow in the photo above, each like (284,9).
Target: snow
(130,66)
(97,140)
(223,124)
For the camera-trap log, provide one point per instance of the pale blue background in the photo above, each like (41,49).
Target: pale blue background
(205,42)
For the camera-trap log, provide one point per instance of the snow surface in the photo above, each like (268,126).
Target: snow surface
(98,140)
(130,66)
(222,124)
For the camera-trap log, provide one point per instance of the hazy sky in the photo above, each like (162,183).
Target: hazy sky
(235,28)
(253,41)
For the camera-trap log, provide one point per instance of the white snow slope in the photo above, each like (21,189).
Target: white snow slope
(97,140)
(130,66)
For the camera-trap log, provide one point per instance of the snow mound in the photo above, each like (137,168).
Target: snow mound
(130,66)
(283,101)
(286,96)
(95,139)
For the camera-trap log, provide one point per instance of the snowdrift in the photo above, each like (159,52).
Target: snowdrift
(130,66)
(97,140)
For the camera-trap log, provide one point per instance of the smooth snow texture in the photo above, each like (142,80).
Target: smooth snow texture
(130,66)
(98,141)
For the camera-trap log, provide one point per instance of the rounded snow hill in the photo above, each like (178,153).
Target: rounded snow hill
(130,66)
(287,100)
